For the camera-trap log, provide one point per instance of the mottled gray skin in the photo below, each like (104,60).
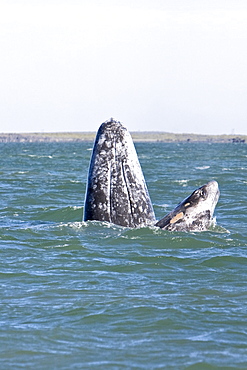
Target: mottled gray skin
(117,191)
(116,188)
(194,213)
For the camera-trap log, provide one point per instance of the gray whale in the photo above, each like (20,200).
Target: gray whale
(194,213)
(117,192)
(116,188)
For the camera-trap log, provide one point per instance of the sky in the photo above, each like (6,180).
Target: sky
(156,65)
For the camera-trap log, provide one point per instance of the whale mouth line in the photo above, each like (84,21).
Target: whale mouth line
(117,191)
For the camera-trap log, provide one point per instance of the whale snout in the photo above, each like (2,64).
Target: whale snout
(213,185)
(213,189)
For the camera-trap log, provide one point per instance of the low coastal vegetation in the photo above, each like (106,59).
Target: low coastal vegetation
(138,136)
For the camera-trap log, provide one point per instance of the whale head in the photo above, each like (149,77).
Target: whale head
(116,188)
(195,213)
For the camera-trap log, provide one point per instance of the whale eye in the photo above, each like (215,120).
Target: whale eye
(200,193)
(197,193)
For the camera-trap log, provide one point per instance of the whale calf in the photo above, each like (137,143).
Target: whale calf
(195,213)
(117,192)
(116,188)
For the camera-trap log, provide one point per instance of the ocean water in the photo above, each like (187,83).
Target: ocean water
(78,295)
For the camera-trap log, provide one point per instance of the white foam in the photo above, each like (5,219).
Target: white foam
(203,168)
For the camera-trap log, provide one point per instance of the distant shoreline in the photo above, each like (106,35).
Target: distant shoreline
(137,136)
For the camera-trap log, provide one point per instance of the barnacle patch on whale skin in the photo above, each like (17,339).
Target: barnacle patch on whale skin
(177,217)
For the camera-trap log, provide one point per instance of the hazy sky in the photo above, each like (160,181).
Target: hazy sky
(165,65)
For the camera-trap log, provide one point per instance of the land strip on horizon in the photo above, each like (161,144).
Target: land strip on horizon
(137,136)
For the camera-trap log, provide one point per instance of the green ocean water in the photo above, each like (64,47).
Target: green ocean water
(91,295)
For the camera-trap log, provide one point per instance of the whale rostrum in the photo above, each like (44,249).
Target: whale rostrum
(117,192)
(116,188)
